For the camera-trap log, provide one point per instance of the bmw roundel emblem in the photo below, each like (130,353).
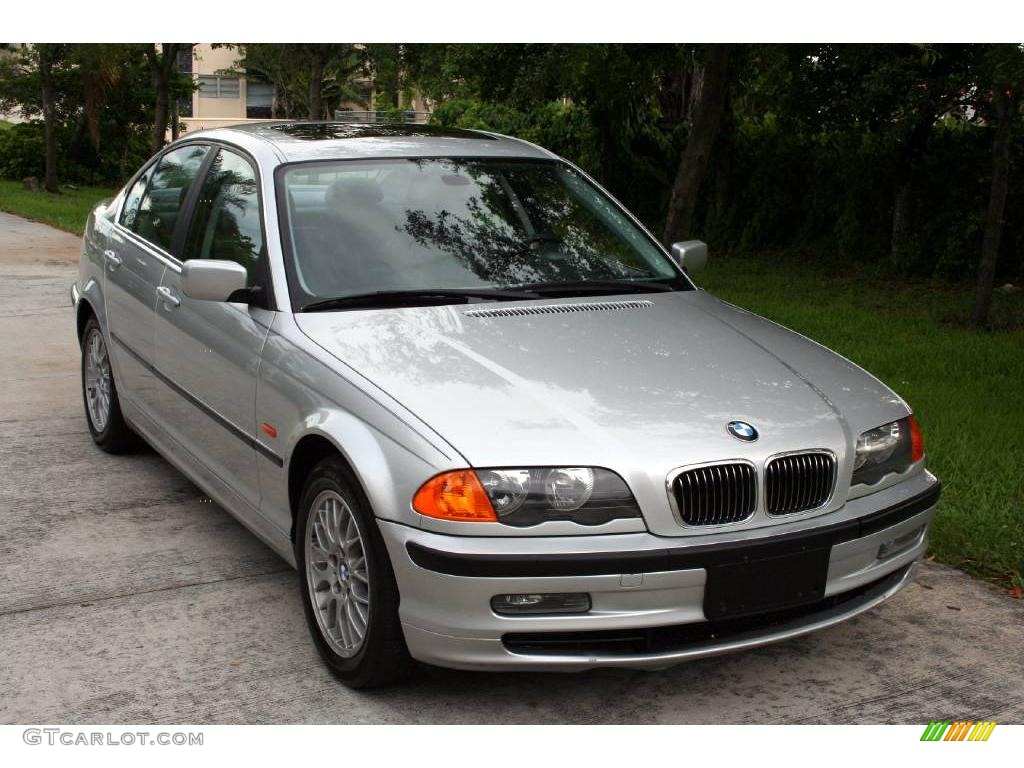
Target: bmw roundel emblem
(742,431)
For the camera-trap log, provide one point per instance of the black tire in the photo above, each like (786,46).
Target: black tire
(115,436)
(382,659)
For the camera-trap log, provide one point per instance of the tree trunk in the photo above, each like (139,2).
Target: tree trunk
(900,219)
(159,114)
(996,207)
(174,120)
(316,82)
(161,67)
(906,164)
(49,116)
(704,129)
(722,181)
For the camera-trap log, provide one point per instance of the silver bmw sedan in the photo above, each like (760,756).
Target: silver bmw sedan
(492,422)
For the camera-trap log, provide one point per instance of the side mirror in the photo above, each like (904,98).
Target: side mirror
(691,255)
(212,279)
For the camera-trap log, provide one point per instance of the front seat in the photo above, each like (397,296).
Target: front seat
(356,252)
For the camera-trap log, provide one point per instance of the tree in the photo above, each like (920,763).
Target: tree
(892,97)
(386,62)
(162,59)
(317,64)
(49,55)
(99,67)
(1001,83)
(100,106)
(271,63)
(704,130)
(933,93)
(310,79)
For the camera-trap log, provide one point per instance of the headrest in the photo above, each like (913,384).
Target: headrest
(347,193)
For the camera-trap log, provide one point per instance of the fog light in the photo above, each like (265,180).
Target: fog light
(563,602)
(900,543)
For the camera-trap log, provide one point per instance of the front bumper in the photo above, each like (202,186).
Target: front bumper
(647,592)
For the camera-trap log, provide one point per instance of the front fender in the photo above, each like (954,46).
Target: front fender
(300,395)
(389,474)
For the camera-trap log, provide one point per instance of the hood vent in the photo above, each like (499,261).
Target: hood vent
(558,309)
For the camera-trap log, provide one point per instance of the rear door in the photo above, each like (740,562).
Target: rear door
(138,252)
(211,350)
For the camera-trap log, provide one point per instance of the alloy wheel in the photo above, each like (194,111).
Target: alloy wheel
(336,573)
(98,380)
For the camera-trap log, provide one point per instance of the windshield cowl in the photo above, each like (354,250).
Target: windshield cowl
(416,297)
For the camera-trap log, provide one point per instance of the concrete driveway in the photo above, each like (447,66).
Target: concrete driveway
(127,598)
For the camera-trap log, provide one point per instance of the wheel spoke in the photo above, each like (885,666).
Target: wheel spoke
(322,574)
(358,628)
(343,624)
(361,610)
(322,595)
(359,597)
(324,523)
(320,539)
(331,609)
(318,554)
(335,522)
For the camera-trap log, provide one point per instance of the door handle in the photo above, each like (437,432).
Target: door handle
(168,297)
(113,260)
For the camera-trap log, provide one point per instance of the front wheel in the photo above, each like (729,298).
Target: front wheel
(348,587)
(102,407)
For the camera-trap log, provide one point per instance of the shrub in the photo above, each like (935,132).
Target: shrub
(22,151)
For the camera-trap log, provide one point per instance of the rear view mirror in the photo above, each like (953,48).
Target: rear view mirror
(691,255)
(212,279)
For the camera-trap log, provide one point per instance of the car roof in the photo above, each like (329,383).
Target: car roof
(307,141)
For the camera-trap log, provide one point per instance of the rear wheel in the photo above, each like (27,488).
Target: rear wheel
(102,407)
(348,587)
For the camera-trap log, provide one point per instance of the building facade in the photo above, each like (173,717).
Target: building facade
(226,97)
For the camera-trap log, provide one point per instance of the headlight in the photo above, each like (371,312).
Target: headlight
(527,496)
(507,489)
(569,489)
(885,450)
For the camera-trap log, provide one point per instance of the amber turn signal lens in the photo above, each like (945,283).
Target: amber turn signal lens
(455,495)
(916,441)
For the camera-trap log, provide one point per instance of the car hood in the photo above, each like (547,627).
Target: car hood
(638,384)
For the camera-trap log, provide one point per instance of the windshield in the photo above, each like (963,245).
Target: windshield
(358,227)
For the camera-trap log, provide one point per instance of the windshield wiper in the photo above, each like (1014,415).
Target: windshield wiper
(417,297)
(584,287)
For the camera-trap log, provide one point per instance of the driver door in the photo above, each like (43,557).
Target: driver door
(211,350)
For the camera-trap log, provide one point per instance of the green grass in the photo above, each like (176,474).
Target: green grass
(67,211)
(964,385)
